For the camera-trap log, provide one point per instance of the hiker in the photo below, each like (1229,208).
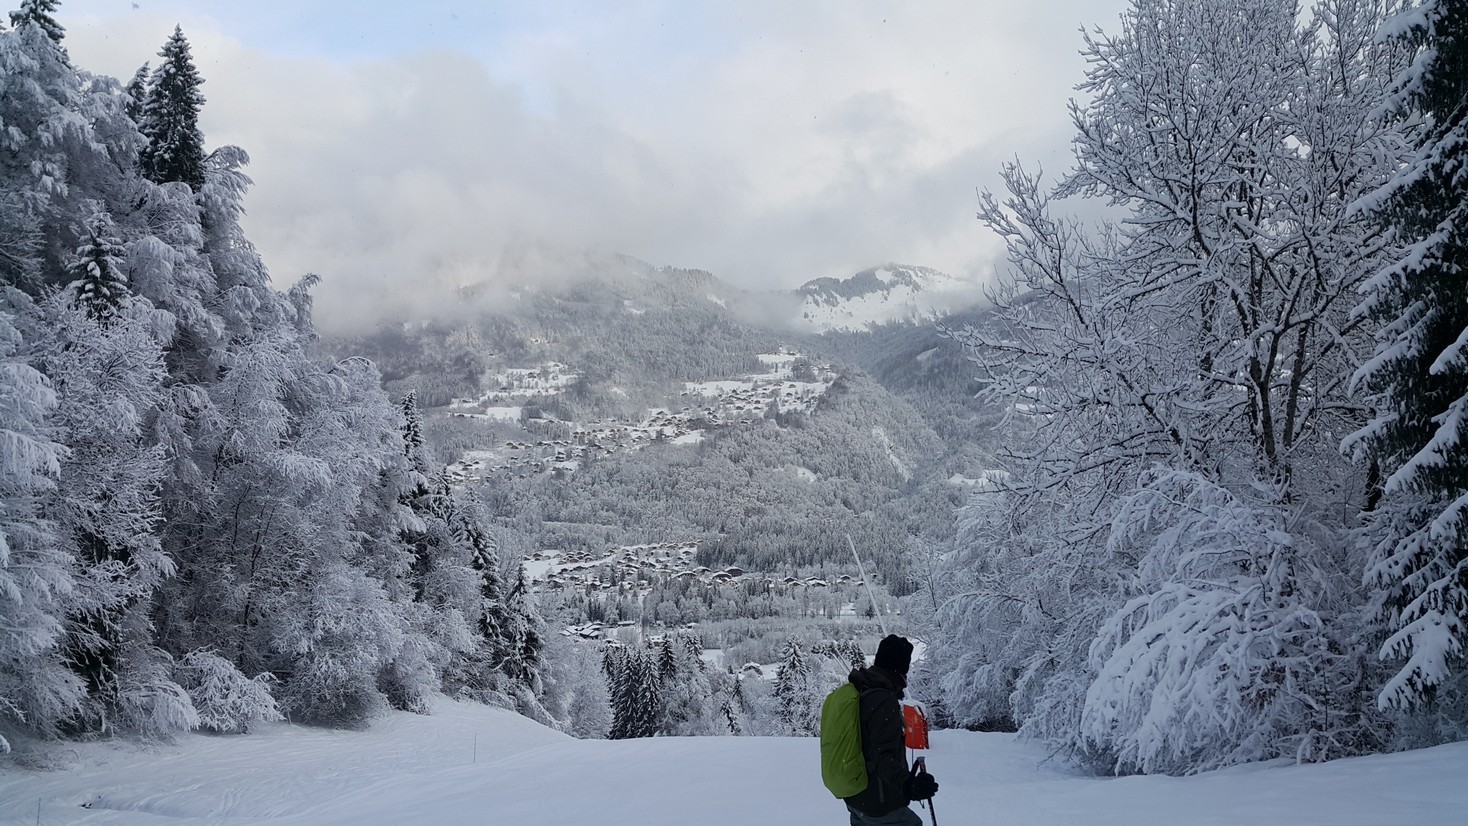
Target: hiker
(890,786)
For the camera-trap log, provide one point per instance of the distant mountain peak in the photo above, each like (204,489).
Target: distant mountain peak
(891,293)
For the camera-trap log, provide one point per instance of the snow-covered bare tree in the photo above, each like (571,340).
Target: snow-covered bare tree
(108,372)
(226,700)
(1209,332)
(37,691)
(1224,656)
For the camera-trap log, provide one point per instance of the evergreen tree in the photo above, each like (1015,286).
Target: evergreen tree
(413,433)
(101,285)
(1418,380)
(39,13)
(524,641)
(646,695)
(59,145)
(170,119)
(731,717)
(667,663)
(137,94)
(616,663)
(736,708)
(636,691)
(687,697)
(501,633)
(797,712)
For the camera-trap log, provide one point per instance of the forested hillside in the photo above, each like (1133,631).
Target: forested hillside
(772,485)
(201,525)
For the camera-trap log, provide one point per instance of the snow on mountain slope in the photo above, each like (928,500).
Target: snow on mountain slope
(882,295)
(475,765)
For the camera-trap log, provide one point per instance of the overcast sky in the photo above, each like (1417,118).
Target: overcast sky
(399,145)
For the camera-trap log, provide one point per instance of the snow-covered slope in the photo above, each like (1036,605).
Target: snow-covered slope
(882,295)
(476,765)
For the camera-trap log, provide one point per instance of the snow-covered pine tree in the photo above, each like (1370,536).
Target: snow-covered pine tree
(797,708)
(735,709)
(458,591)
(52,155)
(137,94)
(728,710)
(170,119)
(688,698)
(413,433)
(636,691)
(1418,379)
(101,283)
(667,662)
(617,665)
(523,636)
(647,697)
(41,14)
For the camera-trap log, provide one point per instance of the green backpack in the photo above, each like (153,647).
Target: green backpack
(843,767)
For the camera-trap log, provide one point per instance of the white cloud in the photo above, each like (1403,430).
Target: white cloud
(768,142)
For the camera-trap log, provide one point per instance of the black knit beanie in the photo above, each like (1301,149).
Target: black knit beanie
(894,654)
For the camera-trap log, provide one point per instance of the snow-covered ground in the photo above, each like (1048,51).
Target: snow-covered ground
(471,764)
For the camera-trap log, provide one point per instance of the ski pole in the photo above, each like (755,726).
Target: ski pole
(920,766)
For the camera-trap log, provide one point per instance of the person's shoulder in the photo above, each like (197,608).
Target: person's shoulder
(875,687)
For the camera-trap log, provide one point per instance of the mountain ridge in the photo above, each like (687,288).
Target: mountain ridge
(886,294)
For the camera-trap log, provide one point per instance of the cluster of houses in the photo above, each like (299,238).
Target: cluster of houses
(518,385)
(633,569)
(563,446)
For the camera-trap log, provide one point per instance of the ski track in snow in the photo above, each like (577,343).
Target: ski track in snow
(415,769)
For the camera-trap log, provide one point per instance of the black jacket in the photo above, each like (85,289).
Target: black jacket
(882,741)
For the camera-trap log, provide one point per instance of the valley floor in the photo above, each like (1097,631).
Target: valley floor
(471,764)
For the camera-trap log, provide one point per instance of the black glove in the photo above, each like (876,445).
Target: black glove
(921,786)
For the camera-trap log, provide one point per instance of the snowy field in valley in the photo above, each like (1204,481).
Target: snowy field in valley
(471,764)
